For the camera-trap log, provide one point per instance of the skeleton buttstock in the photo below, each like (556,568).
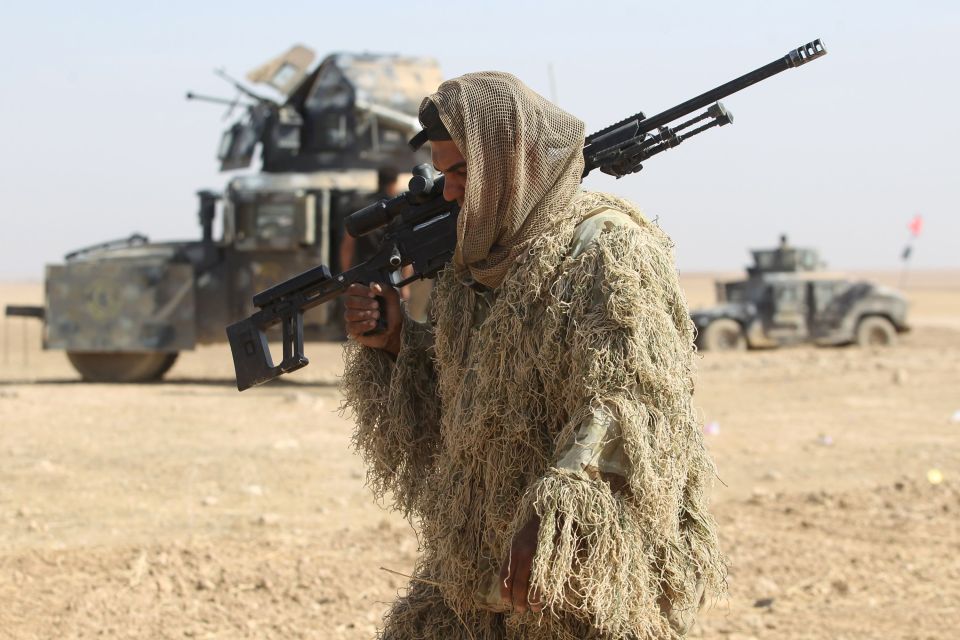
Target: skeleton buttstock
(251,351)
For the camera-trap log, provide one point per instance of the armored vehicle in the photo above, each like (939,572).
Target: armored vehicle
(124,309)
(788,298)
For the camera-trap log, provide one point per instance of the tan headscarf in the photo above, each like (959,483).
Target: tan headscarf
(524,163)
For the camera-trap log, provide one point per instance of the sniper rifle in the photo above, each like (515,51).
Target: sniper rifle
(421,227)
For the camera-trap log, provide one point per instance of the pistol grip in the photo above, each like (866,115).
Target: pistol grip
(381,320)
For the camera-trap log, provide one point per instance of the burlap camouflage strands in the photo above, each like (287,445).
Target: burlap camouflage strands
(524,164)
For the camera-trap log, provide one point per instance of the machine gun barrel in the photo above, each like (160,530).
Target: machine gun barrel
(243,89)
(215,100)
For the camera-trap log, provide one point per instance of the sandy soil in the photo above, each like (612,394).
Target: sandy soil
(187,509)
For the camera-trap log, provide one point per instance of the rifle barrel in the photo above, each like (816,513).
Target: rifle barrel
(795,58)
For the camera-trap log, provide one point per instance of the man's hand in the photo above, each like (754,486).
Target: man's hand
(362,311)
(515,571)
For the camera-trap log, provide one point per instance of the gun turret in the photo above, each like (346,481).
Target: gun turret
(353,111)
(239,141)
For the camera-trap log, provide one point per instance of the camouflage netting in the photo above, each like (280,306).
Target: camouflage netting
(464,429)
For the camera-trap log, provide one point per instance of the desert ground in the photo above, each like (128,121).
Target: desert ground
(188,510)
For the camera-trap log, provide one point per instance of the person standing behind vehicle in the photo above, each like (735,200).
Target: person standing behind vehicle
(353,251)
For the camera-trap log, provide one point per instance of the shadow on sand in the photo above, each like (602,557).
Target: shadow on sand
(280,383)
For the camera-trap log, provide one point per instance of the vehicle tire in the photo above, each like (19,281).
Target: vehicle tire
(130,366)
(876,331)
(723,335)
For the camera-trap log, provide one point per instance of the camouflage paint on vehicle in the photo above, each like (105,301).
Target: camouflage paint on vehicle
(124,304)
(787,298)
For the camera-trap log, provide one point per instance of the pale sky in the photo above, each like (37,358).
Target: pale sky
(99,141)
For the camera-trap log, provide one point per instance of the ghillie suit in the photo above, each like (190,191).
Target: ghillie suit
(562,389)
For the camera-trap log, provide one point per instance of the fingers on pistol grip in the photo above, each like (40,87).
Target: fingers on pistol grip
(381,319)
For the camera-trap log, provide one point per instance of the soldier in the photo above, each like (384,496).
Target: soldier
(540,429)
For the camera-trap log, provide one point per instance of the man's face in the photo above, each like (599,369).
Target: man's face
(448,160)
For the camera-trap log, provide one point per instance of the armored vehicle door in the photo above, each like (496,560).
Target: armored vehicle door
(787,311)
(822,308)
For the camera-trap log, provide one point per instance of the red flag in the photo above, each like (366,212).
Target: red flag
(916,225)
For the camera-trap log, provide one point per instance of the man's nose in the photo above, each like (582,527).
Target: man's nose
(450,192)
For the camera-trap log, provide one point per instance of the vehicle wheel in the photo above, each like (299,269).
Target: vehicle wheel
(723,335)
(875,331)
(139,366)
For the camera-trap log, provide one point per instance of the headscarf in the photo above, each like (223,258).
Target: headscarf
(524,160)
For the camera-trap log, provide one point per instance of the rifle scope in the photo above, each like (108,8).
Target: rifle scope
(426,184)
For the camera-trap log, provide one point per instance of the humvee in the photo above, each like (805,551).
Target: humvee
(123,310)
(788,298)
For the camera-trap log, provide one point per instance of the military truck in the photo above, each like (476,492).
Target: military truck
(788,298)
(123,310)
